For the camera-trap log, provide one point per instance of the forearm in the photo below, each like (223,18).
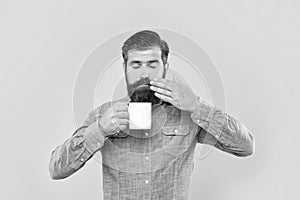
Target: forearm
(231,136)
(70,156)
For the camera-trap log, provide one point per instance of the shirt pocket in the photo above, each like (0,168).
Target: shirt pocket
(176,130)
(120,134)
(176,139)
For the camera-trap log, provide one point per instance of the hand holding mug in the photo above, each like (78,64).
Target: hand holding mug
(114,118)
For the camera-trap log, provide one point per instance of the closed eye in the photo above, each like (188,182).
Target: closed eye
(153,66)
(135,66)
(153,63)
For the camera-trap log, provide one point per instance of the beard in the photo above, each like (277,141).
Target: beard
(140,91)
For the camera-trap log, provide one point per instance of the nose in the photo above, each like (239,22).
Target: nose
(145,72)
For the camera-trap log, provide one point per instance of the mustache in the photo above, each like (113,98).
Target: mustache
(139,83)
(140,91)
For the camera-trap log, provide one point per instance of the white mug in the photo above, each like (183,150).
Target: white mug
(139,115)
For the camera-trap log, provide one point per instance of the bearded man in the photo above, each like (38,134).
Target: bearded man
(154,163)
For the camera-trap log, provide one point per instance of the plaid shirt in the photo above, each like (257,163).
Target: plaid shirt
(155,163)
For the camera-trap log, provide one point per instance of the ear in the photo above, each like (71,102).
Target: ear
(124,67)
(166,68)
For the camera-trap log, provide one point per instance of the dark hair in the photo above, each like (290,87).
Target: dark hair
(144,40)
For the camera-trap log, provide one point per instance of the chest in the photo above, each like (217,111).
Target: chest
(150,149)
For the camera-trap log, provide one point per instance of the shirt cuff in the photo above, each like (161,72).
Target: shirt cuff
(209,117)
(93,138)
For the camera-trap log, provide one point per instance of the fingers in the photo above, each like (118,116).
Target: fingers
(162,91)
(164,98)
(122,121)
(121,115)
(120,107)
(121,127)
(120,124)
(163,83)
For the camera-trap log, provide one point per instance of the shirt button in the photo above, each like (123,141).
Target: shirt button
(175,130)
(146,181)
(81,159)
(146,134)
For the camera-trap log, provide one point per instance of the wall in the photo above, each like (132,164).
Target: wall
(254,46)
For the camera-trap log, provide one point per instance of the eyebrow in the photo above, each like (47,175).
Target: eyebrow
(139,62)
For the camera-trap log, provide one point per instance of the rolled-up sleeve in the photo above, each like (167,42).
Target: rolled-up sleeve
(70,156)
(221,130)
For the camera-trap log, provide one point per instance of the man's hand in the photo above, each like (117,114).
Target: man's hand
(174,92)
(114,119)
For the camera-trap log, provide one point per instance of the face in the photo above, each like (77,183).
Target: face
(141,67)
(143,64)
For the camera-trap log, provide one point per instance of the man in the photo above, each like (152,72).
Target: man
(156,163)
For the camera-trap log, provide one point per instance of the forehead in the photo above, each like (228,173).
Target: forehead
(152,53)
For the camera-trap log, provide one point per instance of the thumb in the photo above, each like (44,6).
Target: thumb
(176,79)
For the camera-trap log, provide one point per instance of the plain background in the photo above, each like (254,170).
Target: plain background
(255,46)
